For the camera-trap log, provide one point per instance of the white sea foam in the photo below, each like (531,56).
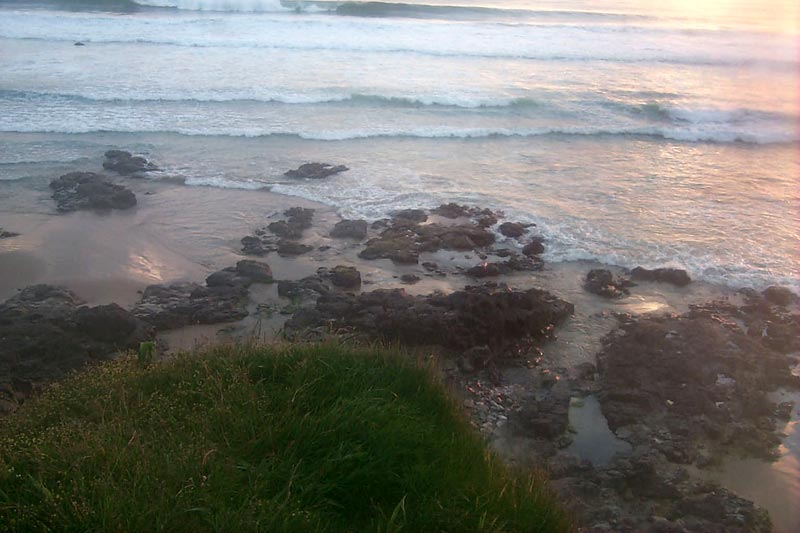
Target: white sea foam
(218,5)
(279,31)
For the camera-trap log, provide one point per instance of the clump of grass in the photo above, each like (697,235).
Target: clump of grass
(321,438)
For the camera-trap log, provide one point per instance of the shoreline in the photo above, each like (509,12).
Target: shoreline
(163,244)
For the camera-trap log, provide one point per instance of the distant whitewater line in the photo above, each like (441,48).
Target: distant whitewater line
(652,110)
(677,134)
(378,9)
(777,64)
(289,98)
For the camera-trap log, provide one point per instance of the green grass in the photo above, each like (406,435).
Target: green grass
(242,439)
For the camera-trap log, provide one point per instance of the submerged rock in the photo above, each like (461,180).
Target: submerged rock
(603,283)
(675,276)
(47,331)
(350,229)
(127,164)
(87,190)
(315,171)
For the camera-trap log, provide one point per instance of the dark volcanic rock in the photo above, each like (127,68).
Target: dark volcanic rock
(674,276)
(547,418)
(291,248)
(601,282)
(125,163)
(87,190)
(514,264)
(488,270)
(345,276)
(779,295)
(298,220)
(350,229)
(412,215)
(695,379)
(255,271)
(723,510)
(245,273)
(256,246)
(183,304)
(7,234)
(308,287)
(534,247)
(46,332)
(512,229)
(409,279)
(493,316)
(227,277)
(315,171)
(407,235)
(482,217)
(403,241)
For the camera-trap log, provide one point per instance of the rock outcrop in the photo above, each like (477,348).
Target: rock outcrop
(4,234)
(407,236)
(47,331)
(492,315)
(603,283)
(675,276)
(245,273)
(346,277)
(127,164)
(87,190)
(315,171)
(515,263)
(284,232)
(534,247)
(512,229)
(350,229)
(185,303)
(690,383)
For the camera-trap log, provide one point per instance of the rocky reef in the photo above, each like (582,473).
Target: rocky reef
(495,317)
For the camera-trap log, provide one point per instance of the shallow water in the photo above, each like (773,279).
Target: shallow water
(593,440)
(631,134)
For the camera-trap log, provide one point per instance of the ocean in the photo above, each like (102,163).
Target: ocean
(630,133)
